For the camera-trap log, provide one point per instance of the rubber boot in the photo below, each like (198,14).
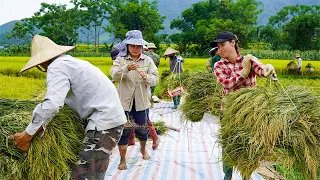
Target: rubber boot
(175,102)
(131,138)
(178,100)
(154,136)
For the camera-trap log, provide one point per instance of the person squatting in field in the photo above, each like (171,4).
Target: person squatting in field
(85,89)
(235,71)
(135,74)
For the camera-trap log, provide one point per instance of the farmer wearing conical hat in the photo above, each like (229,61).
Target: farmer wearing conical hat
(85,89)
(135,73)
(299,63)
(235,71)
(175,67)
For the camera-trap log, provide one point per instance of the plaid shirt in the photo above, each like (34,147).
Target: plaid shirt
(228,74)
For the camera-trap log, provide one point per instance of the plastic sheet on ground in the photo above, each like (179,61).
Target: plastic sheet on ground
(193,153)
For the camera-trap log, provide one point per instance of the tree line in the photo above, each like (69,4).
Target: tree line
(292,28)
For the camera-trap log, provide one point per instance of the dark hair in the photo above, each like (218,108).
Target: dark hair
(213,52)
(237,44)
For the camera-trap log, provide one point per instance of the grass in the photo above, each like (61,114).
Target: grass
(28,88)
(21,87)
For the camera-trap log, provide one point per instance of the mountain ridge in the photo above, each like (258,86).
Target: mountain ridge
(172,9)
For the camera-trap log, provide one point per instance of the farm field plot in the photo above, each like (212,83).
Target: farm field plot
(21,88)
(24,85)
(105,63)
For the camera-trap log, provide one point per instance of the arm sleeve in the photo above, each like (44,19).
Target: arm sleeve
(152,75)
(257,66)
(119,69)
(58,86)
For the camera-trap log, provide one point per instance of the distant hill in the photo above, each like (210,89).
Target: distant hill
(172,9)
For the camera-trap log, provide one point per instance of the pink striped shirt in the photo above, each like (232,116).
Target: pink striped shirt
(228,74)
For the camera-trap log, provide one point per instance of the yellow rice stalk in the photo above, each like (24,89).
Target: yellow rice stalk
(203,96)
(50,156)
(267,124)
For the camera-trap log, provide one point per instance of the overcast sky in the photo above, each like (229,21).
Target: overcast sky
(18,9)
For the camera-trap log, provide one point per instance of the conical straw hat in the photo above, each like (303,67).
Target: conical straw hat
(169,50)
(44,49)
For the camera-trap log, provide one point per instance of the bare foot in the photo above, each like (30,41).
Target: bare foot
(122,166)
(143,150)
(145,155)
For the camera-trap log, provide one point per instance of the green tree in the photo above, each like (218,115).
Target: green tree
(299,25)
(54,21)
(135,15)
(201,23)
(93,15)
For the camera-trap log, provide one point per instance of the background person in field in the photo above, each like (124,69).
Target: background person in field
(85,89)
(175,67)
(150,52)
(135,73)
(298,58)
(234,71)
(156,59)
(114,53)
(213,59)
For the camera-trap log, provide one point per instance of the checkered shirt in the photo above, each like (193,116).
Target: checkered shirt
(228,74)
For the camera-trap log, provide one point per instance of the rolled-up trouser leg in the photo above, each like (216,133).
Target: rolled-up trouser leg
(95,156)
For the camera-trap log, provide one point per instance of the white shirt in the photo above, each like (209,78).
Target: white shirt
(299,62)
(84,88)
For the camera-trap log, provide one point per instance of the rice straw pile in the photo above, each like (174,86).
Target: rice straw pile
(273,125)
(203,96)
(50,156)
(168,82)
(160,127)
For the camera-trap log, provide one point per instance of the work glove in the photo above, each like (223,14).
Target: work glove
(246,64)
(269,71)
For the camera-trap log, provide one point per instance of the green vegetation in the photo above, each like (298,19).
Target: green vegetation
(201,23)
(21,88)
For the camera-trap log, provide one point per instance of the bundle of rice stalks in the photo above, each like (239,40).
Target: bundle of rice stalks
(50,156)
(309,69)
(203,95)
(160,127)
(292,67)
(272,124)
(169,83)
(174,80)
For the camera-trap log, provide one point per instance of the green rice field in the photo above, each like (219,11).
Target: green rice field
(31,84)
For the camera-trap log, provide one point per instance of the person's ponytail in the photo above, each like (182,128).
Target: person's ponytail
(236,45)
